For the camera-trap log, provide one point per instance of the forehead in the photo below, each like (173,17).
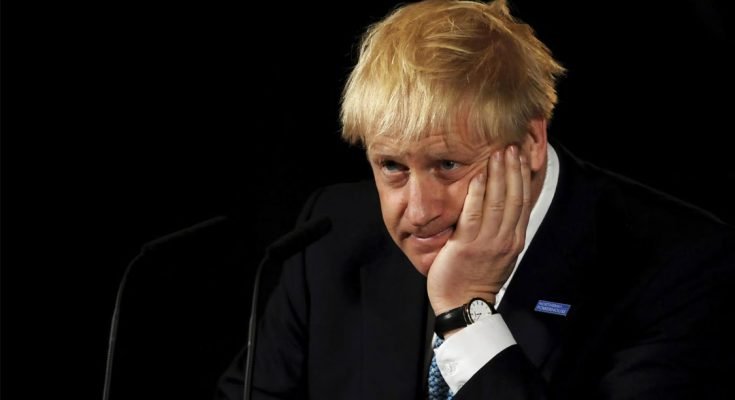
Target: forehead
(433,143)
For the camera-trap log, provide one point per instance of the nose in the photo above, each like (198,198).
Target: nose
(425,200)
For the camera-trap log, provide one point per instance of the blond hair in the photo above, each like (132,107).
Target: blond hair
(448,66)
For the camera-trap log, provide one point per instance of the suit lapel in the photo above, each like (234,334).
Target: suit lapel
(542,275)
(394,316)
(550,269)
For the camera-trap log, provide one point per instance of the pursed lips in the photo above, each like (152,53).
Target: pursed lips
(431,241)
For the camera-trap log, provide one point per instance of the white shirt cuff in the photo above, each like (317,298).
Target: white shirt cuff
(465,352)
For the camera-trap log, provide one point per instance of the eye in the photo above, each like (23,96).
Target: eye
(391,166)
(448,165)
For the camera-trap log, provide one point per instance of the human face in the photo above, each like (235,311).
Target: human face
(422,189)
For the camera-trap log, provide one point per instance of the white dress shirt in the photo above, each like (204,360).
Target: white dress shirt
(465,352)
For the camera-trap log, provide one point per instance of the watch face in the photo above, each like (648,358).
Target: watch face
(478,309)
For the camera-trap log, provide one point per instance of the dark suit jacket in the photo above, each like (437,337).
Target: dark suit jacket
(647,278)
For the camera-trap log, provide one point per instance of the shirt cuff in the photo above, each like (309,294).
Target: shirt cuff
(464,353)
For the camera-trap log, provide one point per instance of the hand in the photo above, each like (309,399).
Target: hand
(491,231)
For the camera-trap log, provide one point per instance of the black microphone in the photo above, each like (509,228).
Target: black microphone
(121,288)
(277,252)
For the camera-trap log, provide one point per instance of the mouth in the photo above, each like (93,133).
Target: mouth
(429,236)
(431,240)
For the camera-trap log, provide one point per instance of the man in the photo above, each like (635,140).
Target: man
(535,275)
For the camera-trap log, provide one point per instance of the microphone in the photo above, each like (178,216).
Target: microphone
(296,240)
(121,288)
(277,252)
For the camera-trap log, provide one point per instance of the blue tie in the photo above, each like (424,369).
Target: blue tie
(438,389)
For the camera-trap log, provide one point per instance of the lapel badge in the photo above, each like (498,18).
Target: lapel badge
(550,307)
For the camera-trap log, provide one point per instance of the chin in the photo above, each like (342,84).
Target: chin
(422,262)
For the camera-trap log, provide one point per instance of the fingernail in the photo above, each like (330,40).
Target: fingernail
(480,178)
(498,156)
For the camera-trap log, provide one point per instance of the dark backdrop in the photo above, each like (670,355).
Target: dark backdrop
(124,121)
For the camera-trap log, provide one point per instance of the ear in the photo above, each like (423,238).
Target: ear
(534,145)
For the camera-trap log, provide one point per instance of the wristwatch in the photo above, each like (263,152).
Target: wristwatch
(466,314)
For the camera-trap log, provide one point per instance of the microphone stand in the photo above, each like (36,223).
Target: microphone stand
(120,291)
(279,251)
(252,328)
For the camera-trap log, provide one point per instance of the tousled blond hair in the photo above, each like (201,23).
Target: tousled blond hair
(449,67)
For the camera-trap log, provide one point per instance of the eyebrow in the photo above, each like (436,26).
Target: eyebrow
(439,155)
(447,152)
(384,151)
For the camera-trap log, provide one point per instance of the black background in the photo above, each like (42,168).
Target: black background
(125,121)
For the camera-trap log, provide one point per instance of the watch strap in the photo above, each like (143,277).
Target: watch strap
(456,318)
(450,320)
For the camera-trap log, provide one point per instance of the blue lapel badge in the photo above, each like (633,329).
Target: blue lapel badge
(549,307)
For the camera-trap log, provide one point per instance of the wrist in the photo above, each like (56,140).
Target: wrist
(441,306)
(451,321)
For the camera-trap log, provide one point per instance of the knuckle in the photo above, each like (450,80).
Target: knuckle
(519,244)
(471,216)
(504,246)
(516,201)
(521,239)
(497,205)
(470,252)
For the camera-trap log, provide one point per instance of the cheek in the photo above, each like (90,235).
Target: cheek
(456,198)
(391,207)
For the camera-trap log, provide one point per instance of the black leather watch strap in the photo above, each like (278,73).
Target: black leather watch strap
(450,320)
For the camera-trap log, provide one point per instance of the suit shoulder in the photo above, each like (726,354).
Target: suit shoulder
(658,206)
(656,216)
(622,209)
(355,203)
(357,228)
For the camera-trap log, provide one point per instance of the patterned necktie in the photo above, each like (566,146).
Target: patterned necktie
(438,389)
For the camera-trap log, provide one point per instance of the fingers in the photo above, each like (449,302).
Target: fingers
(498,201)
(507,197)
(527,206)
(470,220)
(513,194)
(494,195)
